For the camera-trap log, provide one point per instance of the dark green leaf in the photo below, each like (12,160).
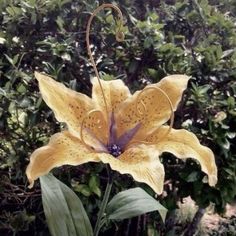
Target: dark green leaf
(64,211)
(83,189)
(94,185)
(133,202)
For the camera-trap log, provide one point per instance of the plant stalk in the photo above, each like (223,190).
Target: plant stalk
(193,227)
(103,204)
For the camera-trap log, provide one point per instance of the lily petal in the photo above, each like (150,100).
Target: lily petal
(70,106)
(157,108)
(184,144)
(142,163)
(115,93)
(63,149)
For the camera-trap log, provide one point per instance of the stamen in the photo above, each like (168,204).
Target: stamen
(119,38)
(82,127)
(145,109)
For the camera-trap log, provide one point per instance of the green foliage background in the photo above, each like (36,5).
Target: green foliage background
(162,37)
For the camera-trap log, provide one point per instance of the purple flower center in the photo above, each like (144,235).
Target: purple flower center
(114,150)
(116,145)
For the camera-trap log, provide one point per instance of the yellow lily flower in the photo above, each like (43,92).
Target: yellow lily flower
(128,134)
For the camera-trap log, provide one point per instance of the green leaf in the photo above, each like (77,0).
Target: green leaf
(10,60)
(60,23)
(3,92)
(231,101)
(15,59)
(63,209)
(14,11)
(192,177)
(83,189)
(133,202)
(94,185)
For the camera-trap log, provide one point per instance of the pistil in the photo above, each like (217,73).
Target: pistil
(114,150)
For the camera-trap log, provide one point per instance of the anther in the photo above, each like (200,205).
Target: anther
(82,127)
(145,109)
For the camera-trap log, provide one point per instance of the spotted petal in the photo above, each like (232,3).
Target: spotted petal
(157,108)
(142,163)
(184,144)
(70,106)
(115,93)
(63,149)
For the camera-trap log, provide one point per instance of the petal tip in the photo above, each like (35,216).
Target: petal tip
(41,76)
(183,78)
(28,174)
(37,75)
(212,180)
(31,183)
(158,190)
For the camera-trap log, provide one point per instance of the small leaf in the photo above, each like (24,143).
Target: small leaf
(231,101)
(227,53)
(63,209)
(133,202)
(3,92)
(192,177)
(15,59)
(10,60)
(21,88)
(60,23)
(83,189)
(94,185)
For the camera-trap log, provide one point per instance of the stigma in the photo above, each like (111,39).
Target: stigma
(115,150)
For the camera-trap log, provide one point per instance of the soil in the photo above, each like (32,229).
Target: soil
(214,224)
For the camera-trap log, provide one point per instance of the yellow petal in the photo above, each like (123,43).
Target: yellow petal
(115,93)
(63,149)
(184,144)
(69,106)
(142,163)
(157,109)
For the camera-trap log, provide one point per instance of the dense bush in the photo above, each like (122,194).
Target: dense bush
(187,36)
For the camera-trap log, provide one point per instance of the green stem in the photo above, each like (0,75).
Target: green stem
(104,204)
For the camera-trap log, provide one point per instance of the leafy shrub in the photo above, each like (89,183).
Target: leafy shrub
(193,37)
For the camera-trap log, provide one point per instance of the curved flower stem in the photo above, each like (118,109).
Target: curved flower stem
(119,38)
(172,116)
(82,127)
(104,203)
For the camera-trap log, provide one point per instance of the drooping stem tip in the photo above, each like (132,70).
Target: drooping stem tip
(119,38)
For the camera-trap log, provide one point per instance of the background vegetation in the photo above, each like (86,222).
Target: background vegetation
(162,37)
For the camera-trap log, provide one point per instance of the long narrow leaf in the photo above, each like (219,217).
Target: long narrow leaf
(63,209)
(133,202)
